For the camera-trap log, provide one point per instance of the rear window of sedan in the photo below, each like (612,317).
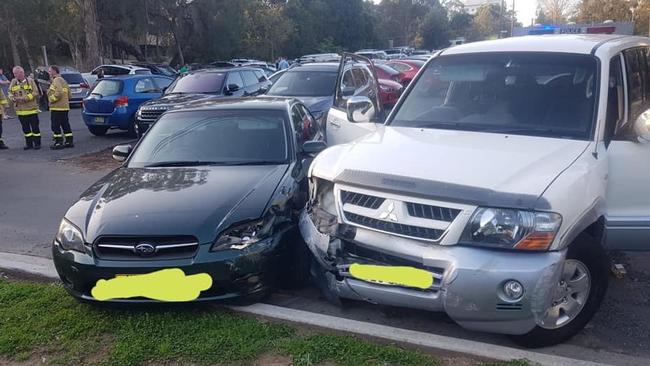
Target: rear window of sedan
(73,78)
(203,83)
(107,87)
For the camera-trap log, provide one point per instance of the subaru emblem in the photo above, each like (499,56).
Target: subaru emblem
(145,249)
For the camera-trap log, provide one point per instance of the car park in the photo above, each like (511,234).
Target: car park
(315,83)
(214,189)
(407,69)
(395,53)
(113,102)
(535,146)
(158,69)
(373,54)
(201,85)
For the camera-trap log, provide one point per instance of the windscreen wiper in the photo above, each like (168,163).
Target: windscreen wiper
(180,163)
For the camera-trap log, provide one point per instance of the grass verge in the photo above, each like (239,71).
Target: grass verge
(42,322)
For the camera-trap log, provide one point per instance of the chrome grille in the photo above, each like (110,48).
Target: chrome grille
(393,227)
(157,248)
(431,212)
(362,200)
(150,115)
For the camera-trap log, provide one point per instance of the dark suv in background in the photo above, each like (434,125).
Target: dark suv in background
(203,84)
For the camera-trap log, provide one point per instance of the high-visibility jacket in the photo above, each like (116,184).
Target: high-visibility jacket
(28,90)
(59,95)
(3,103)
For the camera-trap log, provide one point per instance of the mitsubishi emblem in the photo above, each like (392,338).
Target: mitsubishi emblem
(389,214)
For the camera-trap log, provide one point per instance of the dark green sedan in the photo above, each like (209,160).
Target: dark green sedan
(213,190)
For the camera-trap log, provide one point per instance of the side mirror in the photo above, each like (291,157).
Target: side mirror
(264,89)
(642,127)
(360,109)
(231,88)
(121,152)
(313,147)
(164,90)
(348,91)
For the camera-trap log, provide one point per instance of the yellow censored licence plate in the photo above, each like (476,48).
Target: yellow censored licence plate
(164,285)
(389,275)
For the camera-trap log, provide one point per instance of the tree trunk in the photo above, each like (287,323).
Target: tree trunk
(91,29)
(30,59)
(13,41)
(172,25)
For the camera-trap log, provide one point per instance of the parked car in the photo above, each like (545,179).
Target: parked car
(386,72)
(315,83)
(319,57)
(213,190)
(158,69)
(537,142)
(407,69)
(114,70)
(373,54)
(395,53)
(389,93)
(202,85)
(113,102)
(79,87)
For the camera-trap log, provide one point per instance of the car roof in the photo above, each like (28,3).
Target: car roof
(224,69)
(130,67)
(566,43)
(261,103)
(316,66)
(135,76)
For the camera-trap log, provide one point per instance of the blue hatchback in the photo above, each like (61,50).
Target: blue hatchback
(112,103)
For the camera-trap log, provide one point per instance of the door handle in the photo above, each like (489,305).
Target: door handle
(335,124)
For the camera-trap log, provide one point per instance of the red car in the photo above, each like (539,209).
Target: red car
(406,68)
(389,92)
(386,72)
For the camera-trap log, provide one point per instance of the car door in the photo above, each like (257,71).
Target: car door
(339,129)
(628,193)
(145,89)
(251,84)
(234,85)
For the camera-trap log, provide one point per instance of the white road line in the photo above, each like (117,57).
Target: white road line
(458,345)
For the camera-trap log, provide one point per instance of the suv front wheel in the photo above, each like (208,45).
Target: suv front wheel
(576,297)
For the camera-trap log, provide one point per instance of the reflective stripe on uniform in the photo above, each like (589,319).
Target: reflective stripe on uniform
(15,88)
(60,109)
(57,135)
(29,134)
(27,113)
(68,134)
(36,134)
(30,96)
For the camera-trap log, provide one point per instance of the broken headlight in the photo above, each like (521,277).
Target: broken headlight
(70,237)
(241,236)
(511,229)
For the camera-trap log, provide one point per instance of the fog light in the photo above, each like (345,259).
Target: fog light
(513,290)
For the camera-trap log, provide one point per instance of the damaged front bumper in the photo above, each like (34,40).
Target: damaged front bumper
(467,281)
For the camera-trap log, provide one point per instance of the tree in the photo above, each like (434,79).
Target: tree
(597,11)
(91,30)
(435,28)
(557,11)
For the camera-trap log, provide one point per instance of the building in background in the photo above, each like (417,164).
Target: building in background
(472,6)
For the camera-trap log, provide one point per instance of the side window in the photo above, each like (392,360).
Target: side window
(637,73)
(234,78)
(615,100)
(297,120)
(146,86)
(399,66)
(260,76)
(360,77)
(163,83)
(309,126)
(347,81)
(249,78)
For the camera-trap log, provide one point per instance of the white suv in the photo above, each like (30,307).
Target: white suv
(495,186)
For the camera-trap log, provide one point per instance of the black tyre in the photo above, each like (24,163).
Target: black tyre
(578,295)
(98,130)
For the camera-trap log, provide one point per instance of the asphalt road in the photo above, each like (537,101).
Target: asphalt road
(37,187)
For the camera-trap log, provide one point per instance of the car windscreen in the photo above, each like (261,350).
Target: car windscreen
(107,87)
(202,82)
(536,94)
(226,137)
(73,78)
(305,84)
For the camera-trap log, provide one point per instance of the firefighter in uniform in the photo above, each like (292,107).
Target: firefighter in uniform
(23,92)
(3,103)
(59,97)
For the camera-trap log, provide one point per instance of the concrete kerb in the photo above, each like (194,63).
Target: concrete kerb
(44,267)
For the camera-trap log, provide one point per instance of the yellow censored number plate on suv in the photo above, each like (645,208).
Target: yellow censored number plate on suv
(165,285)
(400,276)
